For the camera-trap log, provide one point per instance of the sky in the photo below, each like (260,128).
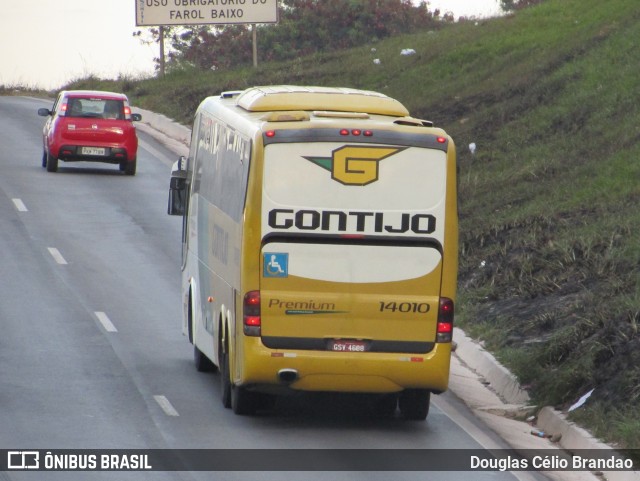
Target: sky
(47,43)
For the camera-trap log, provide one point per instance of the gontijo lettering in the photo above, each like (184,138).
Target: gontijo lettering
(352,221)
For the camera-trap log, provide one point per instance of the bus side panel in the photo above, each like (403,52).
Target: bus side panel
(220,174)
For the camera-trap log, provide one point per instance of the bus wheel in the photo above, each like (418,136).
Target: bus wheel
(225,378)
(414,404)
(384,406)
(243,402)
(202,362)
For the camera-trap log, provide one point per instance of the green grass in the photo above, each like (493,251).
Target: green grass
(549,205)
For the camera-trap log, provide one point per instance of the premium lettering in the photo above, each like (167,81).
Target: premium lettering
(309,305)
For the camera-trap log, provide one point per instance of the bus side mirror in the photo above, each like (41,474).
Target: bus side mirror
(178,188)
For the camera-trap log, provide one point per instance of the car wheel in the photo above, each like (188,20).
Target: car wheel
(130,167)
(44,158)
(52,163)
(225,379)
(202,362)
(414,404)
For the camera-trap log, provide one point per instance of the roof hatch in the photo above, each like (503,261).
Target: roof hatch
(287,97)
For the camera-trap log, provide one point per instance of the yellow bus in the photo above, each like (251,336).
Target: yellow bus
(320,246)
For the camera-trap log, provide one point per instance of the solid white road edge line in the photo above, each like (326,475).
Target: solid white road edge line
(478,434)
(161,157)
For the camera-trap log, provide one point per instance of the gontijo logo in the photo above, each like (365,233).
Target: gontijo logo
(355,164)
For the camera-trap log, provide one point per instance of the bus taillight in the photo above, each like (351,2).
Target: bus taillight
(444,332)
(251,313)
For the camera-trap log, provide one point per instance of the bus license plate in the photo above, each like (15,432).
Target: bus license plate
(348,346)
(94,151)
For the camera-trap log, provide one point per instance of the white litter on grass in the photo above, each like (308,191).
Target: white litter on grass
(472,148)
(376,61)
(407,51)
(581,401)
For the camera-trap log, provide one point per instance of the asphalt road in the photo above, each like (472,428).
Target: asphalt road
(91,352)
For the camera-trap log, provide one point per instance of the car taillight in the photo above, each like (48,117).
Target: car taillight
(251,313)
(127,112)
(444,331)
(63,110)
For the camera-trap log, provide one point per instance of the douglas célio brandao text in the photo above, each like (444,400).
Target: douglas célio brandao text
(550,463)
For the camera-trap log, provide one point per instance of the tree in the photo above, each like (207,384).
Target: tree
(511,5)
(305,26)
(151,36)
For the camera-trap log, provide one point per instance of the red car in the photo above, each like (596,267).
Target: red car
(94,126)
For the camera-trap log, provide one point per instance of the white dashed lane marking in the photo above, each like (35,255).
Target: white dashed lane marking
(166,406)
(20,205)
(106,322)
(55,253)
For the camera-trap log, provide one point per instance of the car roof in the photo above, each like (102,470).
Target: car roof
(94,94)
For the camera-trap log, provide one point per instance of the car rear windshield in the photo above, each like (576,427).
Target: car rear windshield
(95,108)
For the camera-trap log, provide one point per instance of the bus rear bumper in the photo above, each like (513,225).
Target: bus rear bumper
(345,372)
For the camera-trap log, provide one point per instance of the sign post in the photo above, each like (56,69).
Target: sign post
(162,60)
(254,36)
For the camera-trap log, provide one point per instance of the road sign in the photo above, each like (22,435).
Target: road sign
(151,13)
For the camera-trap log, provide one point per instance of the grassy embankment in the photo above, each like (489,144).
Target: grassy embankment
(549,204)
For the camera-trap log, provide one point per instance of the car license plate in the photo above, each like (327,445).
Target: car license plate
(94,151)
(342,345)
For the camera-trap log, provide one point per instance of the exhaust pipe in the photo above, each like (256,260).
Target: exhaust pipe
(287,375)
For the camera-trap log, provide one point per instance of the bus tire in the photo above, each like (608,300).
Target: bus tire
(202,362)
(384,406)
(414,404)
(243,402)
(265,401)
(225,378)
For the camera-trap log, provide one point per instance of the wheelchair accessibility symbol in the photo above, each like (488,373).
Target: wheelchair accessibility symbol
(276,264)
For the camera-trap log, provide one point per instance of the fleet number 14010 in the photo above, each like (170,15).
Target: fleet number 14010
(406,307)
